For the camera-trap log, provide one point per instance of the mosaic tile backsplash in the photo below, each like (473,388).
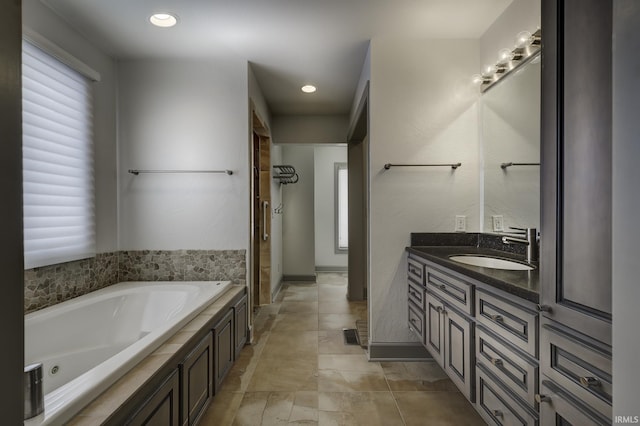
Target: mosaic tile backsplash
(49,285)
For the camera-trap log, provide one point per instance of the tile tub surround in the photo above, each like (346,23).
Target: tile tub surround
(49,285)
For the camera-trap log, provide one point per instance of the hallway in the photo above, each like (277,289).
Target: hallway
(299,372)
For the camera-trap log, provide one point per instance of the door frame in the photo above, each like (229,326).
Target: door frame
(259,292)
(358,165)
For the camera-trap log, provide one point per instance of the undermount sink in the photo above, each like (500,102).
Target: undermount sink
(491,262)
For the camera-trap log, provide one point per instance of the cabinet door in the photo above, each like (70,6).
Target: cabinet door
(161,409)
(240,317)
(434,328)
(197,380)
(459,342)
(223,348)
(576,164)
(559,407)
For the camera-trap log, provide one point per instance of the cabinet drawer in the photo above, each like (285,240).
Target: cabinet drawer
(451,290)
(515,370)
(416,295)
(578,364)
(560,408)
(416,321)
(498,406)
(415,270)
(509,320)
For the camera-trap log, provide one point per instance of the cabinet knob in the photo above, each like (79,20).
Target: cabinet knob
(543,308)
(590,382)
(541,398)
(498,413)
(442,287)
(497,318)
(439,309)
(496,361)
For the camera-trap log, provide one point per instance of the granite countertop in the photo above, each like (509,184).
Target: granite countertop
(524,284)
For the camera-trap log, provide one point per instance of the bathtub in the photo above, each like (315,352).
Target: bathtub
(87,343)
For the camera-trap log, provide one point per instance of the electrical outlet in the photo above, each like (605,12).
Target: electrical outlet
(498,223)
(461,223)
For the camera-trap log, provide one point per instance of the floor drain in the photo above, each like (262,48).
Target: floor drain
(350,336)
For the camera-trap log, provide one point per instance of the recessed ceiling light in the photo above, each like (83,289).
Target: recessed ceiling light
(164,20)
(308,88)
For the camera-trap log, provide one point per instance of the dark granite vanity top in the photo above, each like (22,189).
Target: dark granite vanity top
(437,247)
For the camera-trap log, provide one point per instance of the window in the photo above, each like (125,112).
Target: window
(342,209)
(59,223)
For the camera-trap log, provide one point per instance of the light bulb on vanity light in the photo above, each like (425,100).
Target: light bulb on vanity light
(523,39)
(504,56)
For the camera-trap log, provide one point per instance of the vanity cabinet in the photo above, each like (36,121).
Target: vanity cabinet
(162,407)
(576,214)
(449,340)
(484,338)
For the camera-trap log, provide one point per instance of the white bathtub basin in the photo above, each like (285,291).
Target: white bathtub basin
(491,262)
(87,343)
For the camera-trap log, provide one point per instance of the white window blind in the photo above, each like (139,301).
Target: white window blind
(59,224)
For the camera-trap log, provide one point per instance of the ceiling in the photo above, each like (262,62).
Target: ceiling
(288,42)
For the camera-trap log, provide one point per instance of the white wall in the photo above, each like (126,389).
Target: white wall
(310,129)
(183,114)
(520,15)
(626,205)
(325,158)
(42,20)
(298,217)
(423,110)
(365,76)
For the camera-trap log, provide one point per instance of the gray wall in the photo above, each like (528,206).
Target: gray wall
(298,217)
(325,158)
(626,205)
(310,129)
(11,314)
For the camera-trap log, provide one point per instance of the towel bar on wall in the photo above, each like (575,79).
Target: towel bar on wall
(452,165)
(137,172)
(505,165)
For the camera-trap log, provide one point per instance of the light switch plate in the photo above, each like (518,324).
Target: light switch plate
(498,223)
(461,223)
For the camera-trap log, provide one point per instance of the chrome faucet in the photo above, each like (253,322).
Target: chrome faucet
(527,237)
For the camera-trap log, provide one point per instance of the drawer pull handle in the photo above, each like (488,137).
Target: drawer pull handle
(413,320)
(496,361)
(543,308)
(542,398)
(442,287)
(497,318)
(498,413)
(590,382)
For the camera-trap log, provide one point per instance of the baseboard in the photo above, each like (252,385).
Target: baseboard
(332,269)
(310,278)
(413,351)
(275,292)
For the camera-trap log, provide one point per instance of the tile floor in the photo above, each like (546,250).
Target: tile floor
(299,372)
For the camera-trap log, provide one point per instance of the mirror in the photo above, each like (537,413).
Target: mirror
(510,132)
